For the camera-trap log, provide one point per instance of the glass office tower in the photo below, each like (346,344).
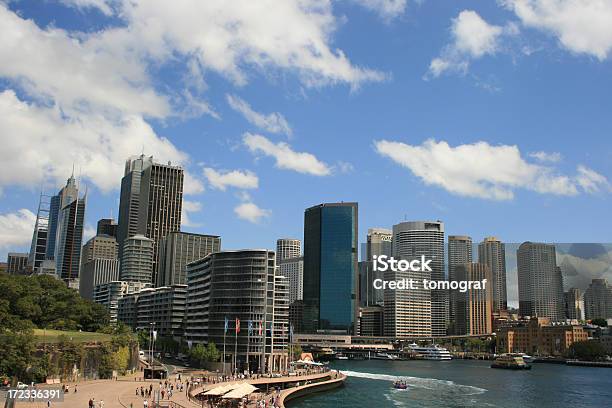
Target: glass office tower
(330,268)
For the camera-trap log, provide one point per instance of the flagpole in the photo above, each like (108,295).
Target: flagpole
(249,345)
(236,350)
(224,332)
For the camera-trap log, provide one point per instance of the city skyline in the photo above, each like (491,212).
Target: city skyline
(245,133)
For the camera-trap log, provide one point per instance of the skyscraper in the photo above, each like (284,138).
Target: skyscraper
(178,249)
(99,264)
(151,202)
(330,267)
(574,304)
(417,312)
(598,300)
(69,231)
(65,196)
(137,260)
(38,249)
(459,253)
(492,252)
(287,248)
(473,309)
(107,226)
(540,282)
(378,243)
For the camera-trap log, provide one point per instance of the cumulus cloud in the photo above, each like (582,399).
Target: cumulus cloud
(485,171)
(87,97)
(251,212)
(581,26)
(387,9)
(551,157)
(273,122)
(234,178)
(472,38)
(286,158)
(16,229)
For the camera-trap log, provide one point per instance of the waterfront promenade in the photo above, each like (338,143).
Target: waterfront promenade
(125,391)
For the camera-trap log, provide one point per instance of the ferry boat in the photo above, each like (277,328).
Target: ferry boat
(526,357)
(510,362)
(432,352)
(400,385)
(384,356)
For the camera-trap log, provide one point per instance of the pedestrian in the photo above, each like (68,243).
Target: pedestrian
(90,404)
(48,403)
(75,388)
(145,404)
(101,403)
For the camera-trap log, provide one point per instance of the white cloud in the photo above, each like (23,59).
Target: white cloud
(581,26)
(552,157)
(285,156)
(251,212)
(188,208)
(345,167)
(86,97)
(387,9)
(591,181)
(234,178)
(16,229)
(472,38)
(485,171)
(273,122)
(40,144)
(229,37)
(89,232)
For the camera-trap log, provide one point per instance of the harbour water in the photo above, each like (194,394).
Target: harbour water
(464,383)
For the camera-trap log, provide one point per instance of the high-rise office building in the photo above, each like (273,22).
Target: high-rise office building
(163,307)
(150,203)
(40,237)
(100,247)
(330,268)
(17,263)
(137,260)
(540,282)
(241,287)
(492,252)
(69,231)
(598,300)
(177,249)
(459,253)
(107,226)
(574,304)
(293,270)
(96,272)
(417,312)
(291,265)
(288,248)
(379,242)
(473,308)
(65,196)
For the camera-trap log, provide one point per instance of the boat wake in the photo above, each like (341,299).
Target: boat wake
(418,382)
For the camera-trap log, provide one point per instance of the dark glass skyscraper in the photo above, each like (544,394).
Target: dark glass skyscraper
(330,267)
(151,202)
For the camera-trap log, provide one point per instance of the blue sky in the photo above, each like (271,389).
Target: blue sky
(491,116)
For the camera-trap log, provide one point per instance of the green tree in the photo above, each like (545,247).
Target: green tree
(296,352)
(197,354)
(600,322)
(589,350)
(211,353)
(16,352)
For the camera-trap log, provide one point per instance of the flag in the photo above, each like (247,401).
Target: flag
(260,328)
(154,335)
(226,324)
(189,344)
(237,325)
(291,331)
(250,327)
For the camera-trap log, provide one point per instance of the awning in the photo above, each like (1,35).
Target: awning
(240,392)
(222,389)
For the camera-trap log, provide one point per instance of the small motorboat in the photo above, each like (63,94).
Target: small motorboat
(400,385)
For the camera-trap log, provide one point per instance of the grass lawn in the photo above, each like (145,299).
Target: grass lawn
(52,336)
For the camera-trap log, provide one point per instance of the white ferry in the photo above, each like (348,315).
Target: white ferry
(432,352)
